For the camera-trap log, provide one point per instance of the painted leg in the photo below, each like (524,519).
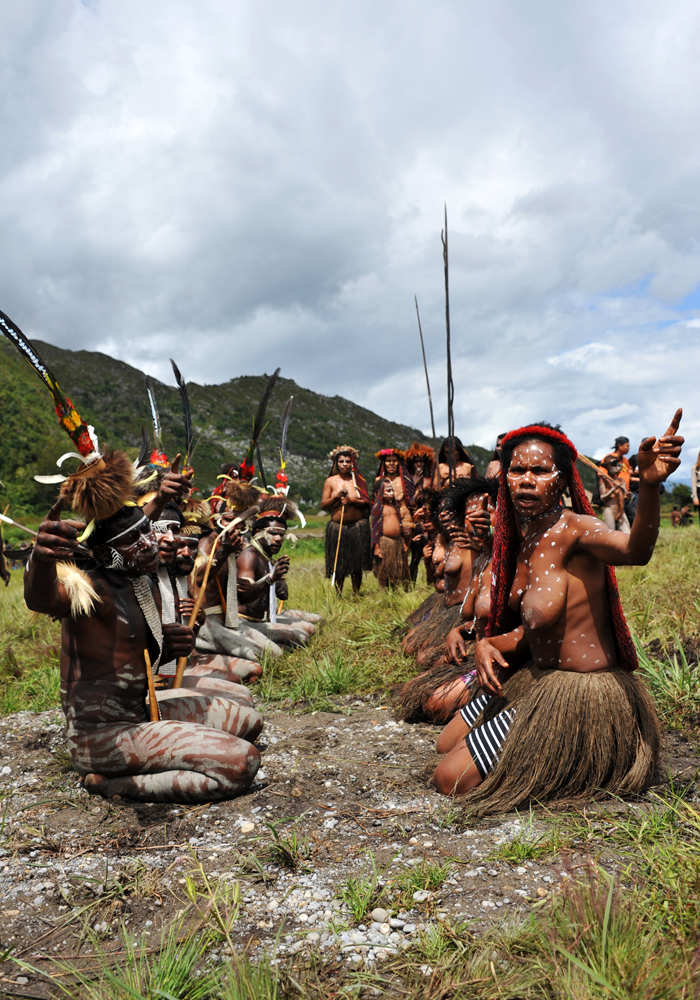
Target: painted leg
(232,668)
(211,711)
(164,762)
(218,688)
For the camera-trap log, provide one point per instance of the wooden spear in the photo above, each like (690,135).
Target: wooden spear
(450,383)
(427,380)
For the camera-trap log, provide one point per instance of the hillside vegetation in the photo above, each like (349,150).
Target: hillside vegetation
(110,394)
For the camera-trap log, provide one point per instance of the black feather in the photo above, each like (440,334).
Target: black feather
(186,411)
(259,422)
(145,452)
(286,417)
(155,417)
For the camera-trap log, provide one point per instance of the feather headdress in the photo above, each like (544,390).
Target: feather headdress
(247,467)
(276,508)
(158,456)
(282,484)
(344,449)
(103,483)
(81,434)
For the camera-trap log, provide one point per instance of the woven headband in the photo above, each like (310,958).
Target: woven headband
(534,430)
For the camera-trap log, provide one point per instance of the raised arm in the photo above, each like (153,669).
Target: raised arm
(174,486)
(657,459)
(56,540)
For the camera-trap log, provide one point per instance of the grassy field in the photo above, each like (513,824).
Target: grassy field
(627,923)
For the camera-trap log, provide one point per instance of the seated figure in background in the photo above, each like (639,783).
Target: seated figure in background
(262,580)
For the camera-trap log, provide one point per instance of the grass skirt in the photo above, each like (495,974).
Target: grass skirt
(354,554)
(427,640)
(575,737)
(392,568)
(409,702)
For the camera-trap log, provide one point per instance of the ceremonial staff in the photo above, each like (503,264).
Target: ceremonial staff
(427,380)
(450,383)
(337,548)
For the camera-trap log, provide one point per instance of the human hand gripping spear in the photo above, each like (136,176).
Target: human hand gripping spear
(182,661)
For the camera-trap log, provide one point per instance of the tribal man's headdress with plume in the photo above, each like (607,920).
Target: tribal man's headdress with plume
(507,540)
(103,482)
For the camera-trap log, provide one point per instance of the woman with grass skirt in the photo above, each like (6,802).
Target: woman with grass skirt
(559,715)
(346,499)
(441,690)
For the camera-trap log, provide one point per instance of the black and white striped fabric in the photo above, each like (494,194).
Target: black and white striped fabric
(484,743)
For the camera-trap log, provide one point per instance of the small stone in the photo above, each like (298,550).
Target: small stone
(303,917)
(427,843)
(8,770)
(38,901)
(421,895)
(273,904)
(330,824)
(520,870)
(313,937)
(413,840)
(398,924)
(379,915)
(261,776)
(385,928)
(486,904)
(297,793)
(22,980)
(409,928)
(541,892)
(492,872)
(247,827)
(470,874)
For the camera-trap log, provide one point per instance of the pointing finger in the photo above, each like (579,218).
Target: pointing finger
(175,463)
(673,426)
(55,513)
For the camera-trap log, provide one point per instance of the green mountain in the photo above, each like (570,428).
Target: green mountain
(111,395)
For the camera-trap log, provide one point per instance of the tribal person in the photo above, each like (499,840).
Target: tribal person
(346,499)
(612,488)
(219,675)
(439,691)
(420,462)
(195,753)
(574,720)
(493,469)
(261,579)
(392,521)
(454,461)
(226,632)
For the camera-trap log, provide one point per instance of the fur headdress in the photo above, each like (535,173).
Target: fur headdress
(278,506)
(344,449)
(506,541)
(423,451)
(102,483)
(197,514)
(240,495)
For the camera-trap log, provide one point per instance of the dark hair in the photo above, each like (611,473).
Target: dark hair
(457,496)
(436,505)
(268,519)
(173,513)
(621,440)
(495,457)
(562,454)
(462,453)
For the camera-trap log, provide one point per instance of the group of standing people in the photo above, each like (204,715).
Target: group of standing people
(383,532)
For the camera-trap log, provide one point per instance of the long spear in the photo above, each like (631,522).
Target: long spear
(427,380)
(450,383)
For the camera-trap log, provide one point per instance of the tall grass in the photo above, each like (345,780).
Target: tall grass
(29,646)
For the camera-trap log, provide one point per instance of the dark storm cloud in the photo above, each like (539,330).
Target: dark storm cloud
(242,186)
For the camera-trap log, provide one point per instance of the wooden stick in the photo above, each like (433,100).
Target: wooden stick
(450,383)
(337,548)
(182,661)
(152,700)
(425,366)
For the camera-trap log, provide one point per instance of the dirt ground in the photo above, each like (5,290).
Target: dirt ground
(354,786)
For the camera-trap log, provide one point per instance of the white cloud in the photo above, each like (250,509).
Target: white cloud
(241,186)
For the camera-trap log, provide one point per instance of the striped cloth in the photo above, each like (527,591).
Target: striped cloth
(484,743)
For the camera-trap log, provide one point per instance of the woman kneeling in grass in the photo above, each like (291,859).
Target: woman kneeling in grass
(574,720)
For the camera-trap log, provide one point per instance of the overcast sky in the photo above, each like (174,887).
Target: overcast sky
(246,185)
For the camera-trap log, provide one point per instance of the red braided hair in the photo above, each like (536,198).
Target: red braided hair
(507,543)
